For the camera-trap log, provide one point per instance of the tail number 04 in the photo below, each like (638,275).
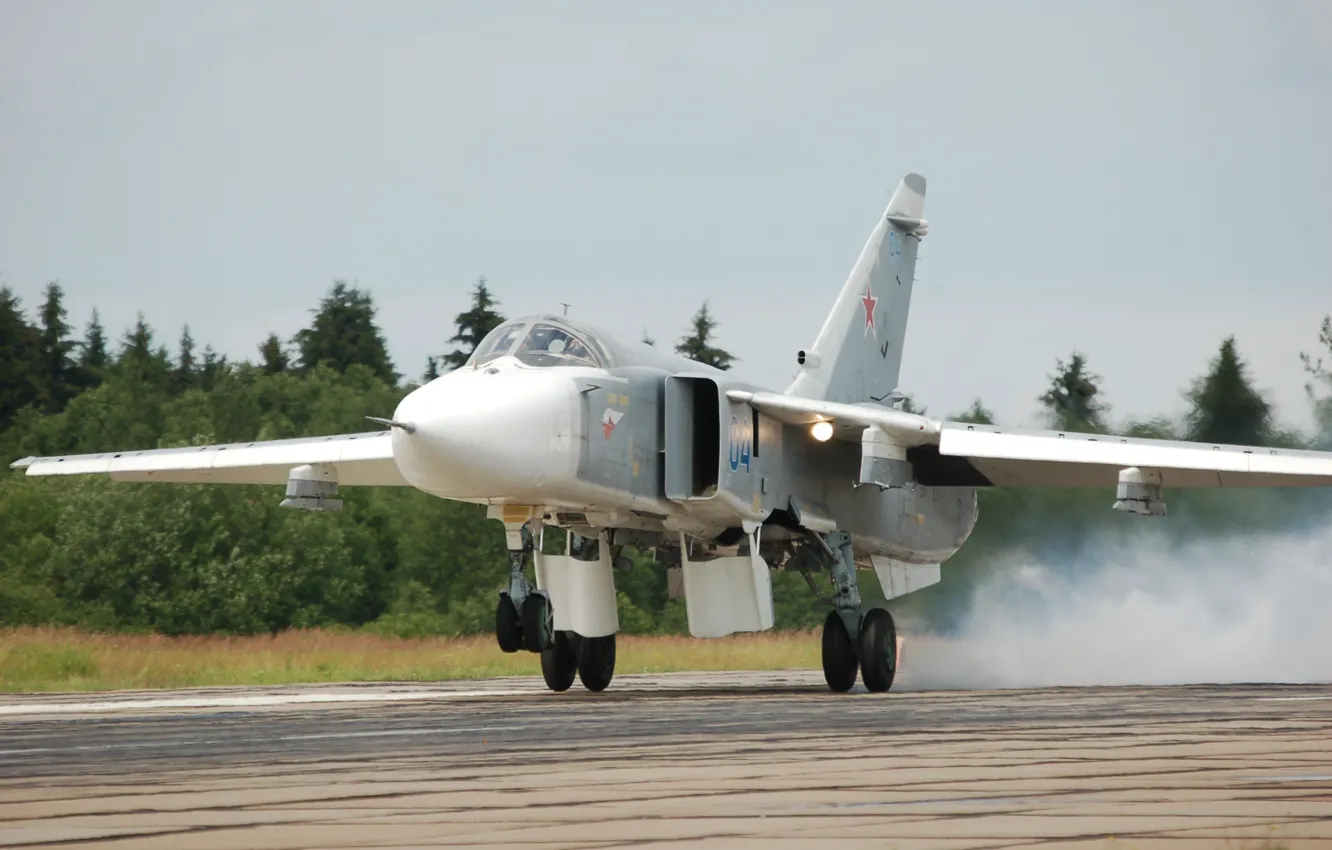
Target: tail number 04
(742,441)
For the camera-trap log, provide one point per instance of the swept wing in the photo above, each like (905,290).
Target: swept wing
(364,459)
(979,455)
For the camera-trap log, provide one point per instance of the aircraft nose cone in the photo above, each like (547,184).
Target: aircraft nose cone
(486,436)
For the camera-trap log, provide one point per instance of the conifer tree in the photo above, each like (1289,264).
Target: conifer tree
(273,355)
(92,352)
(20,365)
(1319,385)
(58,380)
(473,325)
(186,373)
(344,333)
(1071,403)
(1226,408)
(213,368)
(977,414)
(139,360)
(697,345)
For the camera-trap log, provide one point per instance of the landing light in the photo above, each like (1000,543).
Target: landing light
(821,431)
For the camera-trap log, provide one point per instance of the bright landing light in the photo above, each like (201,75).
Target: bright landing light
(821,431)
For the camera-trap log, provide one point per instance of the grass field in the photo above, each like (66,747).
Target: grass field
(71,660)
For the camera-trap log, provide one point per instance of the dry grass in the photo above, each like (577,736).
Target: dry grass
(71,660)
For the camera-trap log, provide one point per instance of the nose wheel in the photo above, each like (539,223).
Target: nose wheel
(537,631)
(508,626)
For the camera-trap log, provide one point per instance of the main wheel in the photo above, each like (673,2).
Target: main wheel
(508,631)
(596,662)
(839,654)
(878,650)
(537,631)
(559,664)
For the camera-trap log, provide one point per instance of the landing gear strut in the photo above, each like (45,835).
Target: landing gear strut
(522,616)
(525,620)
(852,638)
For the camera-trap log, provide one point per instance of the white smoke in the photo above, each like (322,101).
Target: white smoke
(1256,609)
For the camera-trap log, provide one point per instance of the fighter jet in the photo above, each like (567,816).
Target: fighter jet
(562,428)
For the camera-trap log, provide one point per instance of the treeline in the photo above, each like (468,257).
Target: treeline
(189,559)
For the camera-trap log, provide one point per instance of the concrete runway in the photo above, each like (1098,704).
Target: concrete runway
(707,760)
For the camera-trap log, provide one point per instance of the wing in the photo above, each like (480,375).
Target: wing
(956,453)
(365,459)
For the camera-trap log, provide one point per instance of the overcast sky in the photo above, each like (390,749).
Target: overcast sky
(1135,180)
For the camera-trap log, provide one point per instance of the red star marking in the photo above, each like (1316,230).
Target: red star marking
(870,302)
(609,419)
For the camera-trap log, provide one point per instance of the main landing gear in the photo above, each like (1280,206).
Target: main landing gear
(853,640)
(525,620)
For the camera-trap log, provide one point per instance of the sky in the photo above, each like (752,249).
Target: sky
(1132,180)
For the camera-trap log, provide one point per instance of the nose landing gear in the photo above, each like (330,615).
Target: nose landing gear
(525,620)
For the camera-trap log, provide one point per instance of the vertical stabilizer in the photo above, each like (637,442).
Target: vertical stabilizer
(858,353)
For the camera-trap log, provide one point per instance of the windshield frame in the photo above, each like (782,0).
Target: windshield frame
(520,332)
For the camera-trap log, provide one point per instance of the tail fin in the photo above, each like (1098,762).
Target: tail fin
(858,353)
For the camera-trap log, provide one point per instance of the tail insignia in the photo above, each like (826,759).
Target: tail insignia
(870,301)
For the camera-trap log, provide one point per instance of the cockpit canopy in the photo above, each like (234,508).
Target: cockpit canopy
(541,342)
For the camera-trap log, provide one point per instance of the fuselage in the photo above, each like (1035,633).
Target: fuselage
(599,432)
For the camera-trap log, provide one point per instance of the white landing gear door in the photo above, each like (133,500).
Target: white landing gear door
(898,578)
(582,593)
(727,595)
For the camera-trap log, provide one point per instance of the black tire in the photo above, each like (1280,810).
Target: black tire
(596,662)
(839,654)
(537,631)
(508,630)
(559,664)
(878,650)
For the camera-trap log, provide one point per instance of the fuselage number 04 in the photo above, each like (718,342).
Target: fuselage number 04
(742,440)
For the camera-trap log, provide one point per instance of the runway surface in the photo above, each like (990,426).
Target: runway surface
(709,760)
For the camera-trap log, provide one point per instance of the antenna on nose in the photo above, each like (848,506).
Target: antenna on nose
(566,308)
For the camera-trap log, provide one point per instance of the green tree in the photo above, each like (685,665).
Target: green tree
(977,414)
(213,368)
(20,364)
(186,373)
(344,332)
(1071,403)
(473,325)
(1319,385)
(92,353)
(139,360)
(907,404)
(697,345)
(273,355)
(431,371)
(59,380)
(1226,408)
(647,339)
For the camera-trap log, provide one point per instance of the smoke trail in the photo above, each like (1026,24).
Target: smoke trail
(1257,609)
